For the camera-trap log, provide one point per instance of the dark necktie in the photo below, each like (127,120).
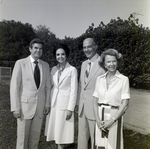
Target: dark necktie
(37,74)
(87,71)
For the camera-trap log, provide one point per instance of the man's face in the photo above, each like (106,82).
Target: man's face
(89,48)
(36,51)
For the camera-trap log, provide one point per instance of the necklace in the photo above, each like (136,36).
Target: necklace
(61,68)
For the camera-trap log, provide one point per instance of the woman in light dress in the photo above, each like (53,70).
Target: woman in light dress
(111,101)
(60,121)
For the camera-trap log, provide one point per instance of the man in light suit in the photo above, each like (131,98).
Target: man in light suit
(30,95)
(86,89)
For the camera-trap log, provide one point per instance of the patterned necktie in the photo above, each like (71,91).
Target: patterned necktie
(37,74)
(87,71)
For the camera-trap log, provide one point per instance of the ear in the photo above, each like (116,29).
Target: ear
(96,47)
(105,66)
(30,49)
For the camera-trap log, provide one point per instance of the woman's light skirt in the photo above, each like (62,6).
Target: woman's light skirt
(113,139)
(58,128)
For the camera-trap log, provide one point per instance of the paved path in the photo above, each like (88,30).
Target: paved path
(137,116)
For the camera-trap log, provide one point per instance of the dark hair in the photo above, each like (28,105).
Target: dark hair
(111,52)
(61,46)
(36,40)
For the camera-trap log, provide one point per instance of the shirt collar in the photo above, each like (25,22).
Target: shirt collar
(32,60)
(92,60)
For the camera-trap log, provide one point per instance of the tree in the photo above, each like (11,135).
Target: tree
(15,38)
(50,42)
(133,41)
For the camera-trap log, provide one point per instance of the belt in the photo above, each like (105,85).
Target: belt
(112,107)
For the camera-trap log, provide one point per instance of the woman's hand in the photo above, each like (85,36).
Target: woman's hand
(107,124)
(69,115)
(100,125)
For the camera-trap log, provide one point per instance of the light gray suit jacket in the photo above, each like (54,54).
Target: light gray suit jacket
(24,94)
(85,98)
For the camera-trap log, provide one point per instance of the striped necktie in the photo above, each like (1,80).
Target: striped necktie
(87,71)
(37,74)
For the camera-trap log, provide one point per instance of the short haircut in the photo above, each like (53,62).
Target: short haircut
(111,52)
(94,41)
(62,46)
(36,40)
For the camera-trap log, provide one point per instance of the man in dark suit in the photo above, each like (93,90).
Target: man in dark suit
(30,95)
(90,70)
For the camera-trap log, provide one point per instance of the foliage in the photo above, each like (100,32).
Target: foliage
(126,36)
(133,41)
(14,40)
(50,42)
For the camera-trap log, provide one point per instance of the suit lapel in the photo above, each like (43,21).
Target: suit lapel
(54,74)
(30,70)
(83,70)
(94,69)
(41,67)
(64,73)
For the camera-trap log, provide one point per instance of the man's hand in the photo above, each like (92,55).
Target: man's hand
(69,115)
(17,114)
(46,110)
(76,108)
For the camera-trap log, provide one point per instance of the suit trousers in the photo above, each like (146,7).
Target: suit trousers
(28,132)
(86,130)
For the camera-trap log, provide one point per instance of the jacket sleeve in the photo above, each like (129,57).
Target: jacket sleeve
(15,87)
(79,87)
(73,92)
(48,87)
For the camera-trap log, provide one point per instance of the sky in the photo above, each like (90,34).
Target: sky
(71,18)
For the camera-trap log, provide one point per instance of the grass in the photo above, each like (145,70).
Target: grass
(132,139)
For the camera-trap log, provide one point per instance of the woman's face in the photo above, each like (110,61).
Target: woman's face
(111,63)
(61,56)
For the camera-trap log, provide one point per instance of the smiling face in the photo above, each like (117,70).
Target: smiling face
(36,51)
(111,63)
(61,56)
(89,48)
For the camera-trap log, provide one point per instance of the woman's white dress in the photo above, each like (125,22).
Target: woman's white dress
(64,95)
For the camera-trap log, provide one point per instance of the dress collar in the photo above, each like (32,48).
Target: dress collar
(117,74)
